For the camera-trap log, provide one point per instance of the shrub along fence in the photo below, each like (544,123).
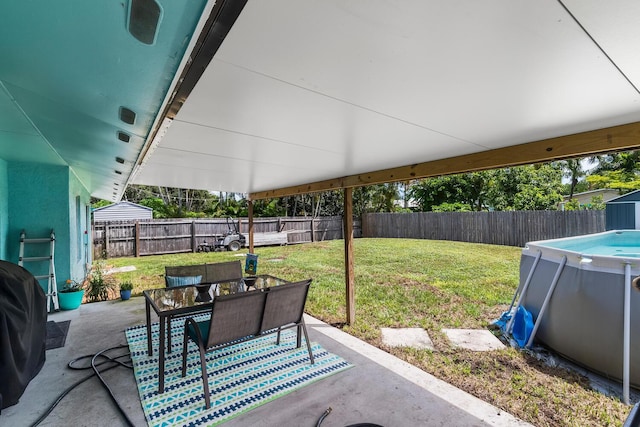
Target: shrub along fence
(164,236)
(514,228)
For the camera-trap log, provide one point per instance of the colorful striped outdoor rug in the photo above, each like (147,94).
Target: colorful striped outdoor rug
(241,377)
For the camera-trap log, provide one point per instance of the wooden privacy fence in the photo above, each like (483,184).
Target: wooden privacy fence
(155,237)
(514,228)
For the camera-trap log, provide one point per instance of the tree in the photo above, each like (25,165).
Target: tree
(628,162)
(160,210)
(616,179)
(99,203)
(372,198)
(572,205)
(582,186)
(268,208)
(531,187)
(186,203)
(597,203)
(620,171)
(375,198)
(451,207)
(535,187)
(469,189)
(572,169)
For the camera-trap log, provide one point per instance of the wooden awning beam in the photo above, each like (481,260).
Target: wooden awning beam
(600,141)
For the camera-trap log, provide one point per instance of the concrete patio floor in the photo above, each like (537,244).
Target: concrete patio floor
(379,389)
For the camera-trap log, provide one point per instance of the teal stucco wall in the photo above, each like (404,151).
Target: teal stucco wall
(4,209)
(42,198)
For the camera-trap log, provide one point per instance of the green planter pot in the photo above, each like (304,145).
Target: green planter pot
(70,300)
(125,294)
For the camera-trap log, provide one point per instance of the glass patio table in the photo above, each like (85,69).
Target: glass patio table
(184,301)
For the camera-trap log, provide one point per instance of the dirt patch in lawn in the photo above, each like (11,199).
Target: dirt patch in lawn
(521,385)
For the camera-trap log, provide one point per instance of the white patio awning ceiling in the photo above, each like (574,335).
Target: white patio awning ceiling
(306,92)
(304,95)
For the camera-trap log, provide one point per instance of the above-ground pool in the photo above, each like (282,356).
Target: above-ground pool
(584,317)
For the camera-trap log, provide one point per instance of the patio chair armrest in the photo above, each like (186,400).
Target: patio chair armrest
(195,327)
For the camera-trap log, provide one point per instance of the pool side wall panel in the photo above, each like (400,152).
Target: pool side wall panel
(585,316)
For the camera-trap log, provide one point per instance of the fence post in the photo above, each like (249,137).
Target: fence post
(106,241)
(313,231)
(137,240)
(193,235)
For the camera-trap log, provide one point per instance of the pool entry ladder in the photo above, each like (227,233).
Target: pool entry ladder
(37,244)
(520,297)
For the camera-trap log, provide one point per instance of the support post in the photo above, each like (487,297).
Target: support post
(348,255)
(137,239)
(250,214)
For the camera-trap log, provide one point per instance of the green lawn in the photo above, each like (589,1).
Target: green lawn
(432,285)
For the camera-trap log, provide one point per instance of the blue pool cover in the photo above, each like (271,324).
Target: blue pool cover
(522,326)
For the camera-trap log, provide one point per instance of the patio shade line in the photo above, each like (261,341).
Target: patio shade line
(218,156)
(358,106)
(605,140)
(264,138)
(595,42)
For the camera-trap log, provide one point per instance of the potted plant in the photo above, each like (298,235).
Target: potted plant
(125,290)
(70,297)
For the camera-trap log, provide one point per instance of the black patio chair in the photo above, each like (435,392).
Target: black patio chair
(203,273)
(223,271)
(244,316)
(181,275)
(284,309)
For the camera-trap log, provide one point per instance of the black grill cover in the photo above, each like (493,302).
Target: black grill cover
(23,320)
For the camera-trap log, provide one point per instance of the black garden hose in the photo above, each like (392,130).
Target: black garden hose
(114,362)
(323,416)
(328,411)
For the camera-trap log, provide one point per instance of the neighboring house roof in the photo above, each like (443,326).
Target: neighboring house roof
(586,196)
(122,211)
(121,205)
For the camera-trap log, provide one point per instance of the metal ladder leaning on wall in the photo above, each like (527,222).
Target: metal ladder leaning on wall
(52,292)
